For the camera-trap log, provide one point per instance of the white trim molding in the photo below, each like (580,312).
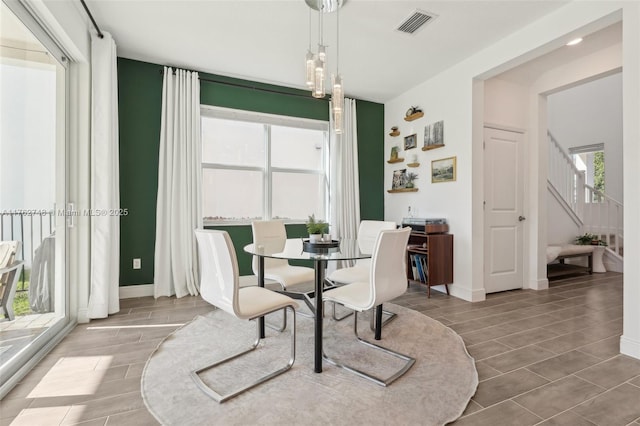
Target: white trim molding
(539,284)
(83,316)
(630,347)
(132,291)
(467,294)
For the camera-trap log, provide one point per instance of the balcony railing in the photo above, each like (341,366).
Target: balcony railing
(30,227)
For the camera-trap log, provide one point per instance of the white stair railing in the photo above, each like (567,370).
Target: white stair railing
(603,216)
(565,177)
(600,214)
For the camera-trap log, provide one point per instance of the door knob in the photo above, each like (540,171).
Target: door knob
(521,218)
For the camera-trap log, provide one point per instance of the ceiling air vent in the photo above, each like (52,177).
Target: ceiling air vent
(415,21)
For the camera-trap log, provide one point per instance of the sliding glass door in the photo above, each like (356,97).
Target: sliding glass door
(33,190)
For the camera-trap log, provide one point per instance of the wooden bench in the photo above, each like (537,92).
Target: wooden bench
(568,251)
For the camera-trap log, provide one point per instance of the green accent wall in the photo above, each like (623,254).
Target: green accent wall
(140,103)
(370,118)
(139,109)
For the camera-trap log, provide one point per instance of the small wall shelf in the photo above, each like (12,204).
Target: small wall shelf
(393,191)
(395,160)
(414,116)
(413,164)
(394,134)
(428,147)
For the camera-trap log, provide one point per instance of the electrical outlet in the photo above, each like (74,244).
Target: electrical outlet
(137,264)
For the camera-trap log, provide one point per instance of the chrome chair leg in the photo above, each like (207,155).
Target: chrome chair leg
(390,317)
(335,318)
(377,380)
(220,398)
(284,323)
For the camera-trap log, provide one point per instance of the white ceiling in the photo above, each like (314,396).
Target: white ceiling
(529,72)
(267,40)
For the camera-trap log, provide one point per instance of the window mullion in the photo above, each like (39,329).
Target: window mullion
(268,173)
(327,179)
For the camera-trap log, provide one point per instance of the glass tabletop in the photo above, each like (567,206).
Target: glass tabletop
(292,249)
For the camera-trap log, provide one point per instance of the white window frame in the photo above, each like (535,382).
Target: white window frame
(267,169)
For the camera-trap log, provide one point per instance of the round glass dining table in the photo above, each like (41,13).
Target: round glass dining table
(320,254)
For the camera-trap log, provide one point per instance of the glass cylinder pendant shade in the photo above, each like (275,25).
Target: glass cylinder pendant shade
(337,92)
(337,121)
(337,100)
(311,69)
(318,87)
(322,52)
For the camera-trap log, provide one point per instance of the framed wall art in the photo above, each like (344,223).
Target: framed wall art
(410,141)
(399,179)
(433,136)
(443,170)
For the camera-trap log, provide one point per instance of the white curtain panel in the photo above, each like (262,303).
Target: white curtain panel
(105,180)
(179,180)
(345,185)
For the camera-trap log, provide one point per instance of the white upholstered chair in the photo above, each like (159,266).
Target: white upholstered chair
(219,285)
(272,234)
(387,280)
(10,269)
(367,234)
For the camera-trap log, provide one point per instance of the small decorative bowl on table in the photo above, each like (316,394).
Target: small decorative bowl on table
(319,246)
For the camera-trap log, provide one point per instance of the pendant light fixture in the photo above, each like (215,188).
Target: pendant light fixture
(319,74)
(311,61)
(337,97)
(316,64)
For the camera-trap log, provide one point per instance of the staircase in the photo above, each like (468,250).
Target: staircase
(593,211)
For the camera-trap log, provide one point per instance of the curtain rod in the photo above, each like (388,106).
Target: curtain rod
(93,21)
(246,86)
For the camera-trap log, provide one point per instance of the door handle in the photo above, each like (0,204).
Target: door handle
(521,218)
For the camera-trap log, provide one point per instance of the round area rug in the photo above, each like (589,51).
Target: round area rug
(434,391)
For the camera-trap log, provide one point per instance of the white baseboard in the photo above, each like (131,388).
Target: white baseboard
(131,291)
(630,347)
(83,316)
(613,265)
(465,294)
(540,284)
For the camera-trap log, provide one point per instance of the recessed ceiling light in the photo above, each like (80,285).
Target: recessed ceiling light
(574,41)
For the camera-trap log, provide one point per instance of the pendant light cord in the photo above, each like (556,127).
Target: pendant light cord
(338,41)
(309,29)
(320,35)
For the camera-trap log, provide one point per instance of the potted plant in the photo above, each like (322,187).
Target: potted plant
(589,239)
(409,179)
(316,228)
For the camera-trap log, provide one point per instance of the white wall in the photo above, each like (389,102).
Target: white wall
(630,340)
(506,104)
(588,114)
(561,228)
(451,200)
(456,98)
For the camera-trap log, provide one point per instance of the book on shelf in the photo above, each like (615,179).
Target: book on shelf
(425,267)
(421,275)
(414,268)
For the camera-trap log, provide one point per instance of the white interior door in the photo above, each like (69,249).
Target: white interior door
(504,219)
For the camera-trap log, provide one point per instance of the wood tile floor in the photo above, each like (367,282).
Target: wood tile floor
(544,357)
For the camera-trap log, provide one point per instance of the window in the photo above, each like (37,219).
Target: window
(261,166)
(590,159)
